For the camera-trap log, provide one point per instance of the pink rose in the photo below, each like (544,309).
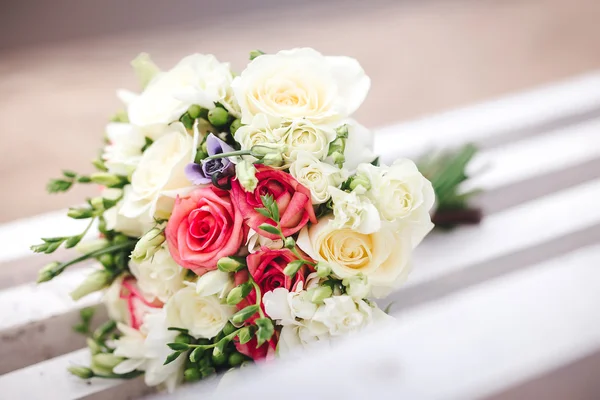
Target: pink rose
(264,352)
(293,201)
(204,227)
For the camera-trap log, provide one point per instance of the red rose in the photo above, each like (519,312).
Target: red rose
(293,201)
(205,226)
(264,352)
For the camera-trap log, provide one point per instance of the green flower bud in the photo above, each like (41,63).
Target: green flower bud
(342,131)
(90,246)
(228,329)
(244,314)
(219,359)
(106,360)
(120,238)
(255,53)
(338,158)
(246,175)
(148,245)
(235,125)
(261,150)
(206,372)
(292,268)
(229,264)
(107,260)
(144,69)
(194,111)
(97,203)
(218,116)
(236,359)
(357,286)
(80,213)
(81,372)
(289,243)
(48,272)
(360,180)
(106,179)
(323,269)
(191,375)
(94,347)
(318,294)
(273,159)
(239,293)
(97,280)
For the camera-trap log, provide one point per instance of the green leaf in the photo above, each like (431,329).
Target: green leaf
(58,185)
(172,357)
(187,121)
(244,314)
(264,212)
(255,53)
(69,174)
(270,229)
(173,328)
(178,346)
(73,241)
(196,354)
(265,330)
(245,335)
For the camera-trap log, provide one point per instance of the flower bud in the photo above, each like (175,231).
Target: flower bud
(289,243)
(229,264)
(261,150)
(235,125)
(273,159)
(191,375)
(97,203)
(239,293)
(244,314)
(255,53)
(318,294)
(218,116)
(81,372)
(94,347)
(107,260)
(90,246)
(144,69)
(106,361)
(292,268)
(80,213)
(342,131)
(97,280)
(360,180)
(323,269)
(236,359)
(106,179)
(48,272)
(357,286)
(246,175)
(338,158)
(148,245)
(194,111)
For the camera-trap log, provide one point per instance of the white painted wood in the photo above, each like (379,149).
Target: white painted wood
(469,345)
(490,119)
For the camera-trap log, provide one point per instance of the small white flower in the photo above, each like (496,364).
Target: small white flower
(317,176)
(301,83)
(115,305)
(359,145)
(354,211)
(342,315)
(357,287)
(202,316)
(117,221)
(402,195)
(196,79)
(160,177)
(255,242)
(214,283)
(123,152)
(159,277)
(278,307)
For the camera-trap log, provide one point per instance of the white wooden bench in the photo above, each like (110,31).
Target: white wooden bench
(487,309)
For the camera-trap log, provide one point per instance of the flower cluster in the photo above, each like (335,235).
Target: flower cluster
(241,217)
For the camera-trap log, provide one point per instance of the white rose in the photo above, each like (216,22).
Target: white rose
(160,177)
(160,277)
(262,130)
(123,152)
(342,315)
(382,256)
(302,135)
(359,146)
(196,79)
(203,316)
(402,195)
(301,83)
(255,242)
(117,221)
(317,176)
(354,211)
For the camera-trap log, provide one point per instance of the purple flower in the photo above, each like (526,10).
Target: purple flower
(200,174)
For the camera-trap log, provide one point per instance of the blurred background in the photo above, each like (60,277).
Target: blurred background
(61,62)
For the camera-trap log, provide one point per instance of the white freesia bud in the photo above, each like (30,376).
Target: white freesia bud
(355,211)
(342,315)
(96,281)
(246,175)
(158,276)
(144,68)
(317,176)
(89,246)
(203,316)
(148,245)
(214,283)
(357,287)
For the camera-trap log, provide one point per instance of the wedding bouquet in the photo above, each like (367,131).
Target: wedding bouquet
(240,217)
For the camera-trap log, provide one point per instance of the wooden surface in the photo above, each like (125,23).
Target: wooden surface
(61,61)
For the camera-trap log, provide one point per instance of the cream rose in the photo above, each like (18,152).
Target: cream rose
(203,316)
(317,176)
(303,136)
(354,211)
(262,130)
(301,83)
(402,195)
(383,257)
(159,277)
(160,177)
(197,79)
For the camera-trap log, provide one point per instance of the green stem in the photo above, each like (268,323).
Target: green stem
(258,297)
(230,154)
(227,338)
